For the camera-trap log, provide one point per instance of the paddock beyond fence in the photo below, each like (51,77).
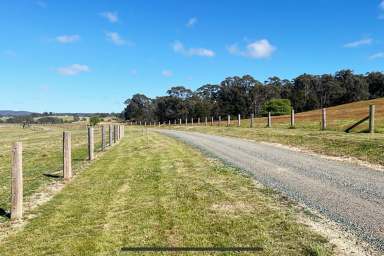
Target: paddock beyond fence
(33,157)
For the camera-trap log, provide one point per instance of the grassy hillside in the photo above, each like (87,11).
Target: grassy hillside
(338,117)
(152,190)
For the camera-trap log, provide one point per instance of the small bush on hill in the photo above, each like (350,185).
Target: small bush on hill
(277,107)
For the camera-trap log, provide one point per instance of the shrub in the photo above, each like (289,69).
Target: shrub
(276,107)
(94,120)
(50,120)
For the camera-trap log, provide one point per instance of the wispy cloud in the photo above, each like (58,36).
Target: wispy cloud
(178,47)
(112,17)
(9,53)
(73,69)
(133,72)
(115,38)
(191,22)
(378,55)
(44,88)
(41,4)
(260,49)
(66,39)
(365,41)
(167,73)
(381,7)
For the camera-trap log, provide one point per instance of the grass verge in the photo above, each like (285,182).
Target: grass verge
(151,190)
(363,146)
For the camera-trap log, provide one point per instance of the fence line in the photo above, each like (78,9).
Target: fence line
(16,212)
(269,119)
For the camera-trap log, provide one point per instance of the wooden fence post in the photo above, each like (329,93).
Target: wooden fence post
(269,125)
(17,181)
(212,121)
(229,120)
(292,118)
(251,120)
(192,121)
(115,134)
(371,118)
(238,120)
(180,121)
(198,121)
(186,121)
(219,124)
(110,135)
(103,139)
(67,156)
(206,121)
(90,143)
(323,119)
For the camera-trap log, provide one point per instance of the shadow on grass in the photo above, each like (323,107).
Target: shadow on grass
(191,249)
(4,213)
(55,176)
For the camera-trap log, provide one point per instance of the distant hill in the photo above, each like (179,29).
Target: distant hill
(15,113)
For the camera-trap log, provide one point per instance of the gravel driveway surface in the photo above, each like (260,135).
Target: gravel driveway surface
(347,193)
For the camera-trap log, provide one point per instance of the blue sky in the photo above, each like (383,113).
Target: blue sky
(89,56)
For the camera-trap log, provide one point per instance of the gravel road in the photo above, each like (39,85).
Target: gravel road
(347,193)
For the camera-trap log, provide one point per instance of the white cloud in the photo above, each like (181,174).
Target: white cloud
(379,55)
(178,47)
(365,41)
(260,49)
(115,38)
(381,17)
(167,73)
(191,22)
(66,39)
(73,69)
(381,5)
(112,17)
(41,4)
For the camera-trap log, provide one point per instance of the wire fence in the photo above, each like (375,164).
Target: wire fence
(42,154)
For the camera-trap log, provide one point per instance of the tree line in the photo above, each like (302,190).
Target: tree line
(246,95)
